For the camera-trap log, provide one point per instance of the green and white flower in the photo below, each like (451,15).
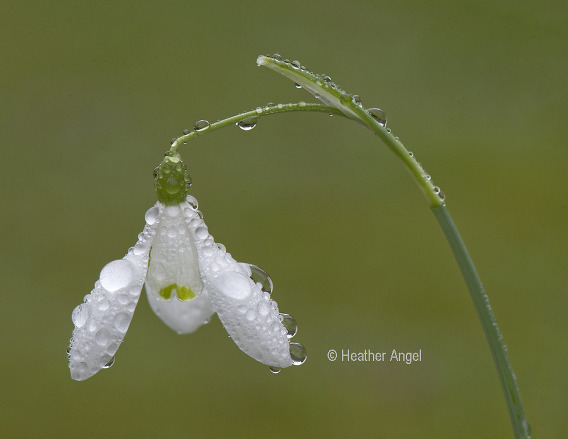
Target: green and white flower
(188,277)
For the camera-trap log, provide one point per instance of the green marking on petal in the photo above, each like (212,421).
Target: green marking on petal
(183,293)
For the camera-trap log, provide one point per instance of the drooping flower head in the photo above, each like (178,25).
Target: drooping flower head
(188,277)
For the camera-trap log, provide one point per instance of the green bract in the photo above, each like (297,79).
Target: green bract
(172,180)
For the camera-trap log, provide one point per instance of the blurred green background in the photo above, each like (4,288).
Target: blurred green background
(92,92)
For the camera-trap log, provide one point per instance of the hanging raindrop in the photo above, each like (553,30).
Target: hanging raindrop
(259,275)
(274,369)
(297,85)
(109,364)
(201,125)
(289,323)
(298,353)
(378,115)
(192,202)
(248,123)
(80,315)
(186,132)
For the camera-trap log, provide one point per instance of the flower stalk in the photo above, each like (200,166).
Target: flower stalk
(338,102)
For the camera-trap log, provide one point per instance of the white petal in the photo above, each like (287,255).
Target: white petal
(174,265)
(251,318)
(184,317)
(102,320)
(173,273)
(248,314)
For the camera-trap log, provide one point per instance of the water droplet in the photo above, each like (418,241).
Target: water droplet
(440,193)
(410,154)
(277,56)
(274,369)
(327,79)
(201,232)
(378,115)
(248,123)
(104,305)
(263,308)
(186,132)
(151,215)
(116,275)
(290,324)
(250,315)
(302,104)
(102,337)
(234,285)
(298,353)
(345,97)
(201,125)
(296,64)
(297,85)
(357,99)
(121,322)
(192,201)
(173,140)
(80,315)
(259,275)
(109,363)
(388,130)
(68,350)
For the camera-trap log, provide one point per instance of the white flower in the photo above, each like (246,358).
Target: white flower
(188,277)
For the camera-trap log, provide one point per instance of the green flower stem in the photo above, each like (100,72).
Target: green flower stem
(469,273)
(339,102)
(433,193)
(488,322)
(326,90)
(260,111)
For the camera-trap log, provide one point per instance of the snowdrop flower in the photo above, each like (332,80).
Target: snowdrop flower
(188,278)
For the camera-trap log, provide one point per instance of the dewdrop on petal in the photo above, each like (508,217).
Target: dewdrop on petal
(188,277)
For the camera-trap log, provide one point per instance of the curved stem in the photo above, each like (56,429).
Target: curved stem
(488,322)
(323,88)
(339,102)
(260,111)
